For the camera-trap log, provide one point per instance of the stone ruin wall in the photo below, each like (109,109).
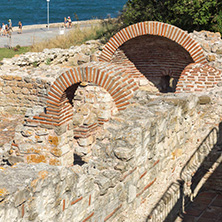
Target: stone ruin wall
(126,159)
(20,92)
(164,54)
(26,79)
(141,149)
(25,91)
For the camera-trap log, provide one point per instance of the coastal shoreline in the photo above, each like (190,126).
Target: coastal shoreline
(60,24)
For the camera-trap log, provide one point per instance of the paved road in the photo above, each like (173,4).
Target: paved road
(207,207)
(30,36)
(36,33)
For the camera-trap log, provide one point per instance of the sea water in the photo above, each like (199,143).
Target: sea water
(35,11)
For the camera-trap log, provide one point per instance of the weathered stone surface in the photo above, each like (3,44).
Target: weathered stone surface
(123,153)
(86,141)
(41,132)
(131,193)
(219,51)
(140,151)
(211,57)
(204,99)
(14,159)
(103,183)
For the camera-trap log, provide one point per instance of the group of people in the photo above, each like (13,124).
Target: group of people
(6,29)
(67,22)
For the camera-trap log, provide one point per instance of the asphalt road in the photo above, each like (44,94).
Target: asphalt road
(35,33)
(30,36)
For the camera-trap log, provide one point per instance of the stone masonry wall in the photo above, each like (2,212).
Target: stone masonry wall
(211,43)
(120,147)
(140,150)
(19,92)
(34,143)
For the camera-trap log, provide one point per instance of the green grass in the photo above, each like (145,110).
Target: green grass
(9,53)
(77,36)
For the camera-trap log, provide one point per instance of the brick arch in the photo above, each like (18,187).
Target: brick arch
(153,28)
(115,79)
(198,77)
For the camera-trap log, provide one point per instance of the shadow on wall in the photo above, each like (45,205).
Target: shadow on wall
(156,57)
(203,171)
(167,84)
(70,92)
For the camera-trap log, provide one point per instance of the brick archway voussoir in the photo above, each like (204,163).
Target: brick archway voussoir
(153,28)
(115,79)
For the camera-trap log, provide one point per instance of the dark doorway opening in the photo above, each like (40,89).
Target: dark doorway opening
(78,160)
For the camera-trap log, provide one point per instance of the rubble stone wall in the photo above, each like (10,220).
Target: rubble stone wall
(117,145)
(139,150)
(19,92)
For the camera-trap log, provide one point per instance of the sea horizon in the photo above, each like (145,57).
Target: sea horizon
(34,12)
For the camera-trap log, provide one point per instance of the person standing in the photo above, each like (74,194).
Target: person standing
(3,29)
(65,22)
(10,24)
(20,27)
(69,22)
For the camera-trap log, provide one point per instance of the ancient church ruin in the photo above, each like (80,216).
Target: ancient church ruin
(104,137)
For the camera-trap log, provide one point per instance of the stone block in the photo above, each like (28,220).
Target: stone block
(25,91)
(131,193)
(41,132)
(65,149)
(104,114)
(7,90)
(14,159)
(86,141)
(67,159)
(93,58)
(21,196)
(123,153)
(90,98)
(103,183)
(36,158)
(105,98)
(211,57)
(90,119)
(206,46)
(219,51)
(205,99)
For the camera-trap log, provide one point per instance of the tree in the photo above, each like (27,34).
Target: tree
(187,14)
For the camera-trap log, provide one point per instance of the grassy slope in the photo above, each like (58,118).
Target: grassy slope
(9,53)
(75,37)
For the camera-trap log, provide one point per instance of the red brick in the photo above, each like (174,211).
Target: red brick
(68,82)
(146,187)
(69,76)
(198,86)
(23,210)
(143,174)
(87,218)
(63,205)
(112,213)
(77,200)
